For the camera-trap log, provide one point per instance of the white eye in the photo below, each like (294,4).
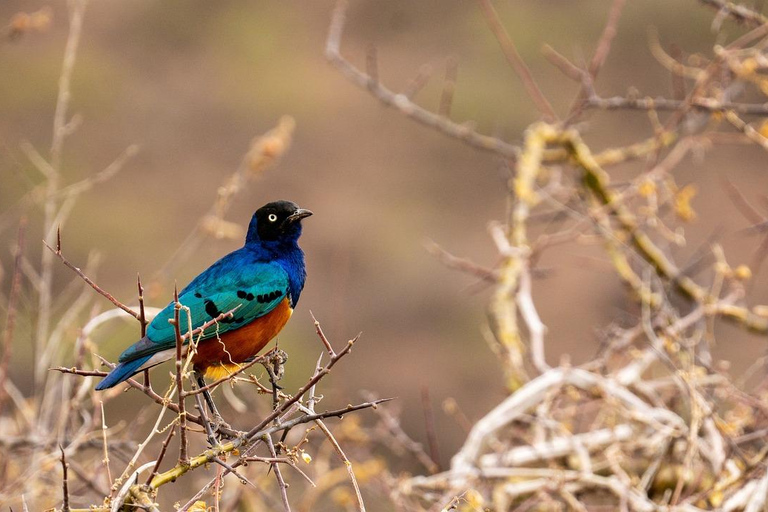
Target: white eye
(272,217)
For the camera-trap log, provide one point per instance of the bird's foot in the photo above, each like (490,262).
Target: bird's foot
(217,421)
(275,366)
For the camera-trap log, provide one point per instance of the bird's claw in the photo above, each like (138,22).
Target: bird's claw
(218,421)
(275,366)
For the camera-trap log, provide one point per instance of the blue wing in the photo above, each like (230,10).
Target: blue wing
(235,281)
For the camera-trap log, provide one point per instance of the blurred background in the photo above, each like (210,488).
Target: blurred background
(191,83)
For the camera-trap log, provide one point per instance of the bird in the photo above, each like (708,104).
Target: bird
(261,281)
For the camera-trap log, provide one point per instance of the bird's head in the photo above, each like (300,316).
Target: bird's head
(276,223)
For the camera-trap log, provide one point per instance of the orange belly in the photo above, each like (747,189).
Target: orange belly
(219,356)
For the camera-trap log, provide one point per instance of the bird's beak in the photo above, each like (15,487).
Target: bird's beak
(298,215)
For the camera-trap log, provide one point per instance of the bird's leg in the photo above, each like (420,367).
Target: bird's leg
(217,419)
(275,366)
(212,441)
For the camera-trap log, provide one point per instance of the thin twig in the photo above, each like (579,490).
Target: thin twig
(515,61)
(660,103)
(106,444)
(160,400)
(321,335)
(402,102)
(318,375)
(87,279)
(738,12)
(278,475)
(208,456)
(599,57)
(161,455)
(183,444)
(64,481)
(392,425)
(429,424)
(142,314)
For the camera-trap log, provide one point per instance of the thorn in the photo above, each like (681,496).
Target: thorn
(58,239)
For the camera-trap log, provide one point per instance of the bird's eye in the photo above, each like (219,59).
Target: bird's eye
(272,217)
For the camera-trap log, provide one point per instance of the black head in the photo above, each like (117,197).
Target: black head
(276,222)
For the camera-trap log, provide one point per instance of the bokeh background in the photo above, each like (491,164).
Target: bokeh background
(193,82)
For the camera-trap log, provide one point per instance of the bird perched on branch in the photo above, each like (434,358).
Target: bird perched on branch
(260,284)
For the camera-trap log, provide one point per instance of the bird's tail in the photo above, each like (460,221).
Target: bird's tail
(121,372)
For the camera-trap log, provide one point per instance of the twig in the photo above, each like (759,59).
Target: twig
(394,429)
(183,444)
(347,463)
(117,503)
(529,314)
(741,203)
(106,444)
(64,481)
(217,489)
(208,456)
(161,455)
(565,66)
(659,103)
(461,264)
(429,423)
(315,378)
(234,472)
(278,475)
(143,322)
(402,102)
(515,61)
(87,279)
(738,12)
(173,407)
(751,133)
(599,57)
(321,335)
(142,315)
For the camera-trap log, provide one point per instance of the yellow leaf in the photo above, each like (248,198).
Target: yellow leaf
(473,500)
(682,203)
(198,506)
(747,67)
(647,188)
(743,272)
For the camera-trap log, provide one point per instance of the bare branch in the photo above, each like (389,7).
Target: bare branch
(402,102)
(515,61)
